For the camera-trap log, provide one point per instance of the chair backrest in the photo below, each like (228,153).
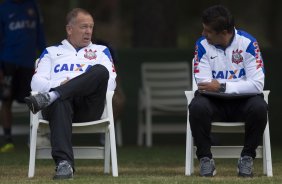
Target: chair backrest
(194,84)
(165,83)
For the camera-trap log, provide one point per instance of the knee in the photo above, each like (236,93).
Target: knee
(258,112)
(101,71)
(259,108)
(198,107)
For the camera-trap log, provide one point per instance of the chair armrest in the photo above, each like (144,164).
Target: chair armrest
(189,95)
(265,94)
(109,104)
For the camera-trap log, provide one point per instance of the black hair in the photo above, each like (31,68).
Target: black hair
(219,18)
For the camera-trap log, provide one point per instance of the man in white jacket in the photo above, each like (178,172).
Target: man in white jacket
(229,72)
(72,79)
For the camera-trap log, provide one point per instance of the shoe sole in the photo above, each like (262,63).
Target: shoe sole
(29,103)
(63,177)
(244,175)
(209,175)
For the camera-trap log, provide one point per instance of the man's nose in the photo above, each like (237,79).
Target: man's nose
(89,30)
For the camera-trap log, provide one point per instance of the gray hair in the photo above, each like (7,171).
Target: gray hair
(73,14)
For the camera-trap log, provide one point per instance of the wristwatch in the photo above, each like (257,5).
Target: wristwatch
(222,87)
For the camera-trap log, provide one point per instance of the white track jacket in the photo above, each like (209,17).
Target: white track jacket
(240,65)
(57,63)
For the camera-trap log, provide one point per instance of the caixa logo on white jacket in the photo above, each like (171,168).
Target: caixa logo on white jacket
(71,67)
(229,74)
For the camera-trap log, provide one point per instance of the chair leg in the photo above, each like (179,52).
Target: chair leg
(267,152)
(148,128)
(107,153)
(192,156)
(113,151)
(32,150)
(264,157)
(140,128)
(189,160)
(189,164)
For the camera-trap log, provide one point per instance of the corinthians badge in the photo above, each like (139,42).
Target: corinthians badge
(89,54)
(236,56)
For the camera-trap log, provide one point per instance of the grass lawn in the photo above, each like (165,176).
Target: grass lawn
(160,164)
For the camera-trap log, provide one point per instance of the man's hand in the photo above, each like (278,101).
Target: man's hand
(214,86)
(65,81)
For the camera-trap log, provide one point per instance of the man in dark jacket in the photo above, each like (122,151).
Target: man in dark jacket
(21,35)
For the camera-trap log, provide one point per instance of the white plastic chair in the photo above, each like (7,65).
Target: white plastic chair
(163,84)
(263,151)
(105,125)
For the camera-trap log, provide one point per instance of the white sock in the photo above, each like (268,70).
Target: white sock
(53,96)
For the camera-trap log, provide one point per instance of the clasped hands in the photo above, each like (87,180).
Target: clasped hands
(65,81)
(213,86)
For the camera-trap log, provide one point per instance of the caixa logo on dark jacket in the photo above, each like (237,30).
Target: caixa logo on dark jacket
(25,24)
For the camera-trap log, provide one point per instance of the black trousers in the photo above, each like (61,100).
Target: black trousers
(81,99)
(203,110)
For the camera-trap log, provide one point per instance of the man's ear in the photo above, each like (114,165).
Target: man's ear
(68,29)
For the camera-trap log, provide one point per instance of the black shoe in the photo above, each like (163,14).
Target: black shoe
(207,167)
(37,102)
(245,166)
(63,171)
